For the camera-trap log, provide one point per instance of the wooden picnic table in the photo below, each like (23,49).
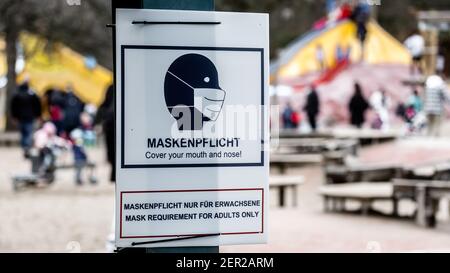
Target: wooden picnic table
(335,196)
(409,153)
(412,158)
(366,136)
(316,145)
(297,134)
(432,171)
(282,184)
(426,193)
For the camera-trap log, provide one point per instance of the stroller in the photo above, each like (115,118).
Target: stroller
(44,165)
(418,123)
(415,121)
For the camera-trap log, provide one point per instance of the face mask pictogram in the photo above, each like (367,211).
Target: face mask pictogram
(208,101)
(192,84)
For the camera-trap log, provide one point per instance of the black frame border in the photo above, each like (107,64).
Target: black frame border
(197,48)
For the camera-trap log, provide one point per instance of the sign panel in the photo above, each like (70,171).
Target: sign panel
(192,128)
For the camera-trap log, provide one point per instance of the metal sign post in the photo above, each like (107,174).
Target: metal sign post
(192,160)
(205,5)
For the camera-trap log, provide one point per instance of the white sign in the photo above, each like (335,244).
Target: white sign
(192,128)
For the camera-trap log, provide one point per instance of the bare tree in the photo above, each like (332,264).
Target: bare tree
(17,15)
(81,26)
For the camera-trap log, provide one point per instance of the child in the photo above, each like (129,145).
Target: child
(47,144)
(79,154)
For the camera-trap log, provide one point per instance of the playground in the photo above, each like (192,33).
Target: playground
(378,182)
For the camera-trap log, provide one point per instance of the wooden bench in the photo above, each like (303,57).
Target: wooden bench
(335,158)
(438,171)
(282,162)
(426,193)
(353,173)
(9,139)
(282,183)
(335,196)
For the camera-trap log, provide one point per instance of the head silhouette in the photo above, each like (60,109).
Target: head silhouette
(192,92)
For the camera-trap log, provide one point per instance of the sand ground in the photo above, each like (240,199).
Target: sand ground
(64,218)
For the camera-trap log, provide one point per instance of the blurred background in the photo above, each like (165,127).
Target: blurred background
(361,137)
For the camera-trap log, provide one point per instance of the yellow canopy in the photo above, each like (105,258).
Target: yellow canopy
(59,68)
(2,58)
(380,48)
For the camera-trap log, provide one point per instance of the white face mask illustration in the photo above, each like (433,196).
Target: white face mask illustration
(209,101)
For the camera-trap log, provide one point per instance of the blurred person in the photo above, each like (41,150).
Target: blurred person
(46,143)
(380,102)
(46,136)
(56,105)
(358,106)
(91,110)
(89,136)
(345,11)
(415,101)
(291,118)
(82,137)
(337,11)
(320,58)
(361,16)
(342,53)
(312,107)
(412,114)
(105,116)
(410,108)
(296,119)
(45,103)
(79,154)
(435,97)
(347,52)
(339,53)
(26,109)
(415,44)
(72,110)
(400,110)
